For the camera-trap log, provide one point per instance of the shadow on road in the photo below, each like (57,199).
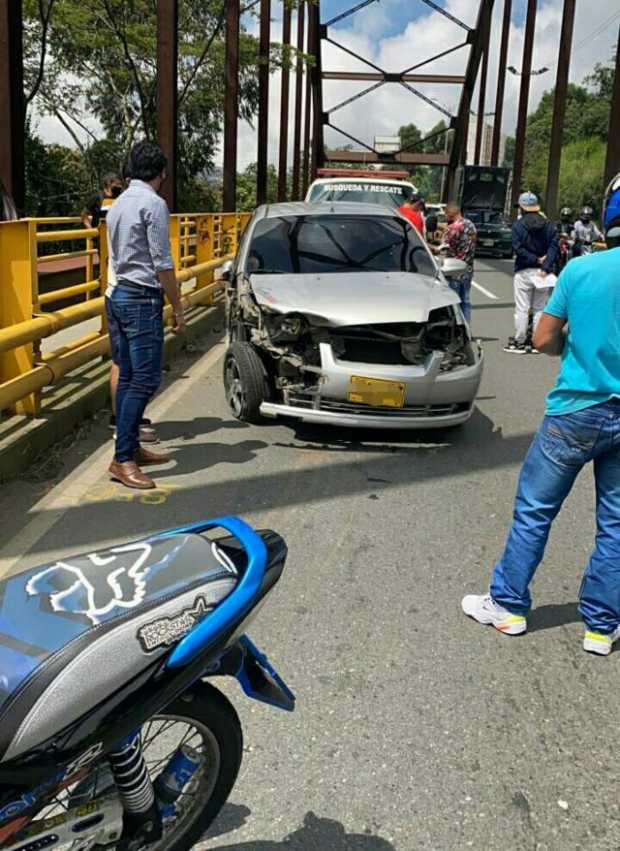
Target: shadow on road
(551,616)
(316,834)
(188,429)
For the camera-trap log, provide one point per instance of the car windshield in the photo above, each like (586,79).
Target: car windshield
(387,194)
(327,244)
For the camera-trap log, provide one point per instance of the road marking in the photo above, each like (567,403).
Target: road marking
(487,293)
(77,486)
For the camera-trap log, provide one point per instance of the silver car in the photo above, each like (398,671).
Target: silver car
(338,313)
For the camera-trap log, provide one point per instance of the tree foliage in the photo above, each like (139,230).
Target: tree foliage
(437,139)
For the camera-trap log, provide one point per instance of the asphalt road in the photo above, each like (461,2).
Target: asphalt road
(416,728)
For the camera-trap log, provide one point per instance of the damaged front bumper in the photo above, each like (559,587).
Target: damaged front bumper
(433,398)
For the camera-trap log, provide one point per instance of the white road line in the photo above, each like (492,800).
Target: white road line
(74,488)
(485,292)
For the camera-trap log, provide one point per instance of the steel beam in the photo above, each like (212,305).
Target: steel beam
(263,102)
(299,80)
(231,107)
(526,73)
(314,34)
(612,164)
(167,99)
(305,179)
(343,156)
(12,99)
(284,98)
(459,144)
(501,83)
(483,93)
(559,110)
(367,76)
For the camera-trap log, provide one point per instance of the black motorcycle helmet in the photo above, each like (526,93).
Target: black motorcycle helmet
(586,215)
(566,214)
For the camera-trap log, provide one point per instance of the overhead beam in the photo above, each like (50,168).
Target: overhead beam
(344,156)
(167,98)
(12,100)
(385,77)
(231,107)
(501,83)
(263,102)
(526,73)
(284,98)
(612,164)
(559,109)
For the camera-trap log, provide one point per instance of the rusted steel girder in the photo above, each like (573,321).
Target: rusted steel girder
(305,178)
(284,98)
(263,102)
(299,81)
(501,84)
(559,110)
(167,99)
(486,37)
(12,99)
(386,77)
(315,34)
(612,163)
(526,73)
(461,123)
(231,107)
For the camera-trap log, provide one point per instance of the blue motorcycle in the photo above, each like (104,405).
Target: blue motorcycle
(110,733)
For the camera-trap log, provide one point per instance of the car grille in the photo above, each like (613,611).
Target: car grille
(338,407)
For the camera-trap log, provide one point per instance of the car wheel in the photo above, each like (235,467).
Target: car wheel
(244,381)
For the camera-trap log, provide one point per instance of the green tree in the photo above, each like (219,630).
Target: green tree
(246,187)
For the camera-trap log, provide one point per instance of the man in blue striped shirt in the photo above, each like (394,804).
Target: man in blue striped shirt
(140,245)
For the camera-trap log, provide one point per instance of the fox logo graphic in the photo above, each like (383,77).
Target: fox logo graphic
(99,593)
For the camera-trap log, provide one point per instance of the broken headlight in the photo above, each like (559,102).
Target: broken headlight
(285,329)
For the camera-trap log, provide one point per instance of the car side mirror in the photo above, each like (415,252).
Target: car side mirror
(223,272)
(452,267)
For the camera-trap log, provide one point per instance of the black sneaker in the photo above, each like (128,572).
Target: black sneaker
(515,347)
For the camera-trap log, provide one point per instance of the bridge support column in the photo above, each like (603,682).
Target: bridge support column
(526,73)
(299,81)
(167,112)
(612,164)
(263,102)
(284,98)
(12,100)
(231,107)
(559,110)
(307,114)
(501,84)
(486,37)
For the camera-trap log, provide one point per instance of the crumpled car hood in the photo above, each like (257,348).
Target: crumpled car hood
(354,298)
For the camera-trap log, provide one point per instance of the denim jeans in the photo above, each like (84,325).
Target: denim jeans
(462,287)
(136,339)
(563,445)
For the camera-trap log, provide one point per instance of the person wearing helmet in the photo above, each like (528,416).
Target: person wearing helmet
(536,246)
(581,322)
(585,233)
(565,228)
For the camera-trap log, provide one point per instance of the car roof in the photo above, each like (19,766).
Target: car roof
(330,208)
(392,181)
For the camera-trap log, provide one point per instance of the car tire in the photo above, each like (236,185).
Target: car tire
(244,382)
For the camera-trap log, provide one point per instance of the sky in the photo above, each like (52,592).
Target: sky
(396,34)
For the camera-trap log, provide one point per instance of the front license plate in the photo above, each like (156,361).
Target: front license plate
(377,392)
(488,243)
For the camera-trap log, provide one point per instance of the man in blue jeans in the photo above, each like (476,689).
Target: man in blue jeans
(582,323)
(140,244)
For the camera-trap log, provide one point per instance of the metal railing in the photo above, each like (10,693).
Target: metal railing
(200,242)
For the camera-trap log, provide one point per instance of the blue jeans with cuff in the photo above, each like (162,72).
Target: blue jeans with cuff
(462,287)
(135,321)
(563,445)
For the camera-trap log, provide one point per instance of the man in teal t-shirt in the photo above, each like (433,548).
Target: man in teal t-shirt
(581,322)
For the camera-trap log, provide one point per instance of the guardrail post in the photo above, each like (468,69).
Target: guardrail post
(18,293)
(175,240)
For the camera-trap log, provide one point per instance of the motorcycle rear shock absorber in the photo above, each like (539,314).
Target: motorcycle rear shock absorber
(142,820)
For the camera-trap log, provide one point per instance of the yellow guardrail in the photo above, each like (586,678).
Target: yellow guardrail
(200,242)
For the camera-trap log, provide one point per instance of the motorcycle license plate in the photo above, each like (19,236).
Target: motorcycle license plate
(376,392)
(260,680)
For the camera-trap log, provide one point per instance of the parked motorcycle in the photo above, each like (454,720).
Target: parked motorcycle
(110,734)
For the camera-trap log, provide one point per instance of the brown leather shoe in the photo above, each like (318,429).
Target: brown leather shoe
(144,456)
(129,474)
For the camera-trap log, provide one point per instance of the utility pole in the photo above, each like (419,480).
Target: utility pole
(526,73)
(284,97)
(231,107)
(167,101)
(12,100)
(263,102)
(501,84)
(559,110)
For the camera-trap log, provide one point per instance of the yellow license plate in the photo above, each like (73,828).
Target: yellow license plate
(377,392)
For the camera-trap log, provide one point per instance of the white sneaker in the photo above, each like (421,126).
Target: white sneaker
(484,609)
(599,642)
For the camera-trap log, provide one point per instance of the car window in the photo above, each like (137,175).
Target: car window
(388,195)
(327,244)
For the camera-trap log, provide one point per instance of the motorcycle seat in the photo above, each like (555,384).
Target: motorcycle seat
(75,631)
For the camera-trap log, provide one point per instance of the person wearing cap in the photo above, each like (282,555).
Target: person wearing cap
(581,323)
(536,244)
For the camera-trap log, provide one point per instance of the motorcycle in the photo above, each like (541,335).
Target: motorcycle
(111,733)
